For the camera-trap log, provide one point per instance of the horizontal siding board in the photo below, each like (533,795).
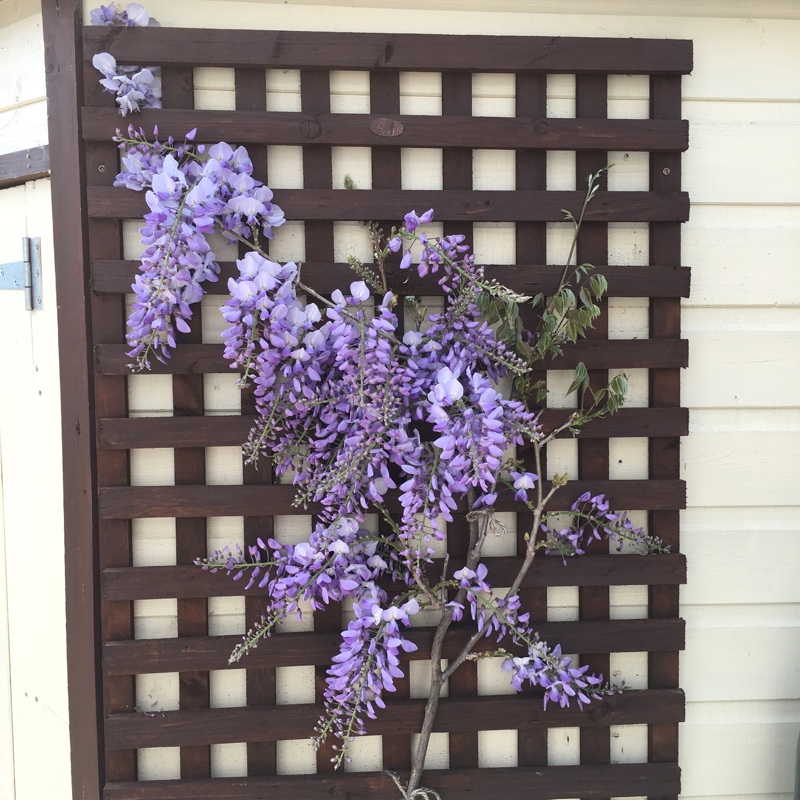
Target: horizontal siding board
(143,656)
(633,281)
(376,51)
(230,431)
(269,724)
(145,502)
(374,130)
(451,205)
(715,461)
(141,583)
(521,783)
(112,359)
(720,357)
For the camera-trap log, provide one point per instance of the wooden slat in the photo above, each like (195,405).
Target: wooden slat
(457,716)
(145,502)
(521,783)
(373,51)
(141,656)
(117,276)
(457,174)
(387,173)
(190,468)
(319,246)
(260,682)
(591,99)
(112,469)
(531,245)
(112,359)
(450,205)
(396,130)
(230,431)
(148,583)
(24,165)
(664,453)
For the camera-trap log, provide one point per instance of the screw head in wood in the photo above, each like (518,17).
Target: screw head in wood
(666,170)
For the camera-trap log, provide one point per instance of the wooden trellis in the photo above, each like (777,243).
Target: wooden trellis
(122,730)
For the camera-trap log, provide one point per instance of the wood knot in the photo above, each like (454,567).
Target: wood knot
(310,128)
(598,712)
(383,126)
(338,794)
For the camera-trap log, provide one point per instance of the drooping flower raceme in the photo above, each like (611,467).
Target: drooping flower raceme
(135,87)
(190,193)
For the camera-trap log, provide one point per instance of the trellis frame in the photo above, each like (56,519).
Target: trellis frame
(93,276)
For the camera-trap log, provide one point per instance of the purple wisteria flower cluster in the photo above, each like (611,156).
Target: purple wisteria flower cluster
(369,417)
(191,193)
(135,87)
(592,519)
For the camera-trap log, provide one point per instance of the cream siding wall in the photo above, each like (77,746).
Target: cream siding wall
(23,109)
(741,462)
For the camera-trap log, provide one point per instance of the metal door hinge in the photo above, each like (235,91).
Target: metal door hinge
(25,274)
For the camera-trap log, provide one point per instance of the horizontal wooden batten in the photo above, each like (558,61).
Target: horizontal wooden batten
(371,130)
(296,721)
(112,359)
(229,431)
(638,281)
(24,165)
(183,581)
(518,783)
(145,502)
(202,653)
(449,204)
(200,47)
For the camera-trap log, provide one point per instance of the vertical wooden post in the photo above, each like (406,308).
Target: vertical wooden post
(61,23)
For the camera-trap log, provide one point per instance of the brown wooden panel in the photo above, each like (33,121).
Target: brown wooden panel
(372,51)
(457,716)
(521,783)
(143,583)
(450,205)
(378,130)
(143,502)
(111,359)
(117,276)
(141,656)
(531,134)
(230,431)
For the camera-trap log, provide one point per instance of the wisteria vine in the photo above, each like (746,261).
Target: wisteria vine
(371,415)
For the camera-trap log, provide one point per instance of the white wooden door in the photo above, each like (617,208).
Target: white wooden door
(34,723)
